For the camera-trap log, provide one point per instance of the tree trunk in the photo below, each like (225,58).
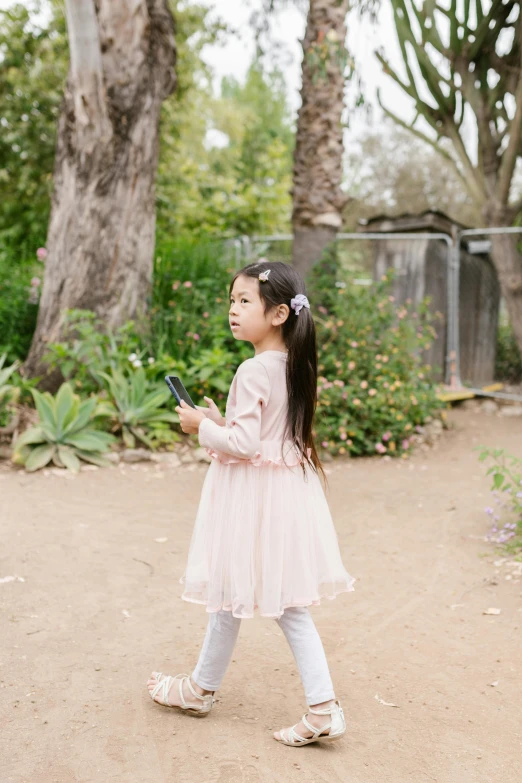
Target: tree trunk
(318,159)
(101,233)
(508,263)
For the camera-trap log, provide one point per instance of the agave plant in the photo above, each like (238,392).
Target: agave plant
(63,434)
(6,389)
(136,408)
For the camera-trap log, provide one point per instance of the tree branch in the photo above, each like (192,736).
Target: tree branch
(509,158)
(422,136)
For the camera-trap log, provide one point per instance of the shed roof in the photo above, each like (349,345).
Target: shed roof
(431,221)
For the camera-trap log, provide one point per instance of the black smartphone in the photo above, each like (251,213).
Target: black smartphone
(178,390)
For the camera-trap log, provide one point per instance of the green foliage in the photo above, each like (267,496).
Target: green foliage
(239,185)
(34,66)
(508,362)
(88,350)
(374,394)
(64,434)
(18,304)
(506,488)
(135,409)
(8,392)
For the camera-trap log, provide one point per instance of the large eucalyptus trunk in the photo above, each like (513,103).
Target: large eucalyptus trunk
(101,233)
(318,159)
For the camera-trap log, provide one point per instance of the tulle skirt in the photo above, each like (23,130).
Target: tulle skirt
(263,539)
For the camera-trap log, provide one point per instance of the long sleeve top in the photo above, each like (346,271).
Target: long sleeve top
(255,416)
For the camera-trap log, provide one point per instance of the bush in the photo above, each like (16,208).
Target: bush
(374,393)
(506,489)
(19,294)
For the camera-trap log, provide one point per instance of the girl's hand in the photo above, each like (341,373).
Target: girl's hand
(212,412)
(189,418)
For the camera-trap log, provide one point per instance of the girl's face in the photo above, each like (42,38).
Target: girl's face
(246,315)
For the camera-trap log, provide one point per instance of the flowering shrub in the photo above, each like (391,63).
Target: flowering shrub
(374,394)
(507,497)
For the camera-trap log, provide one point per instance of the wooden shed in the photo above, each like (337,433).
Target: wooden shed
(422,270)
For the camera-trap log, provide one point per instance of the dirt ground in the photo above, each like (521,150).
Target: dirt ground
(99,608)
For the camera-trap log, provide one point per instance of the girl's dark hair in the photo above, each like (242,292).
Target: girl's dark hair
(298,333)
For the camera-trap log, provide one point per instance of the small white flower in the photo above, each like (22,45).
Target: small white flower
(340,284)
(332,36)
(132,357)
(136,363)
(263,276)
(151,360)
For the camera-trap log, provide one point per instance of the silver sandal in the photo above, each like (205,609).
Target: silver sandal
(337,727)
(164,685)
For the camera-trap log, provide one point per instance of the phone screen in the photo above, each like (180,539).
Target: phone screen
(178,390)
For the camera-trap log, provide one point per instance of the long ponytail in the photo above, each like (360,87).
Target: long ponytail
(298,332)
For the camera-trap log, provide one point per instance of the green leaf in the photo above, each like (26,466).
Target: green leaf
(83,417)
(498,480)
(63,403)
(39,457)
(69,458)
(88,441)
(45,407)
(95,459)
(30,436)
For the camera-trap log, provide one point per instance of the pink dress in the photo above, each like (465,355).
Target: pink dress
(264,536)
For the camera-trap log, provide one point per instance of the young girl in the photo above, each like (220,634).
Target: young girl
(263,536)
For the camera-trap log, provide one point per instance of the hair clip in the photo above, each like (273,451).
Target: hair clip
(298,302)
(263,276)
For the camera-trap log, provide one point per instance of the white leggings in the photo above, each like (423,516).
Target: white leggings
(301,634)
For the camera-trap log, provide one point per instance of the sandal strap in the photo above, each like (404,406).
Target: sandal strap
(325,710)
(163,687)
(193,692)
(315,731)
(293,737)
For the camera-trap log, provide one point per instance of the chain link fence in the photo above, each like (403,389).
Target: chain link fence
(475,350)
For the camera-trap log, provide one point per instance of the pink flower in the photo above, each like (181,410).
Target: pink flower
(391,299)
(364,384)
(405,444)
(196,336)
(324,444)
(187,284)
(175,285)
(205,315)
(380,448)
(344,395)
(41,254)
(356,401)
(343,436)
(386,436)
(372,392)
(354,344)
(35,282)
(351,365)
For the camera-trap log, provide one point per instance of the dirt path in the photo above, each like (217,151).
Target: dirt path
(100,608)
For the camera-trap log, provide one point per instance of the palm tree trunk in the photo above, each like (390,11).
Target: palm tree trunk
(101,233)
(318,159)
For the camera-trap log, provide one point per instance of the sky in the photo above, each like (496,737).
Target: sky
(288,28)
(235,55)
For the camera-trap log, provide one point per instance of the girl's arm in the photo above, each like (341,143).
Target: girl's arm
(243,437)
